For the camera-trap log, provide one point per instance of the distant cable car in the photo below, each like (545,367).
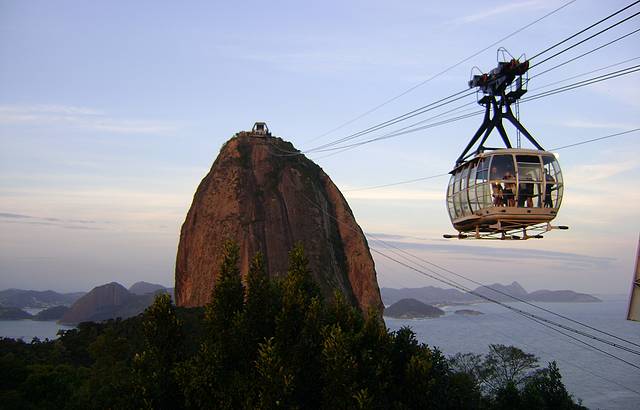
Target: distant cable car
(503,193)
(260,129)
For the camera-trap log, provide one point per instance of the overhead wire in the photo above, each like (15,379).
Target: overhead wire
(530,315)
(532,348)
(584,40)
(435,106)
(514,297)
(519,311)
(409,181)
(585,29)
(452,283)
(418,111)
(579,84)
(596,139)
(585,54)
(431,78)
(400,118)
(569,87)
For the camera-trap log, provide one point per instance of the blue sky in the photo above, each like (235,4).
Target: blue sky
(112,112)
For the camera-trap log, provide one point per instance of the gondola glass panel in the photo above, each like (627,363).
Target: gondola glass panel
(464,192)
(452,213)
(554,186)
(503,180)
(473,199)
(456,195)
(482,184)
(529,181)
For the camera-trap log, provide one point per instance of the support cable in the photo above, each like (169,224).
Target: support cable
(585,29)
(569,87)
(420,84)
(584,40)
(519,311)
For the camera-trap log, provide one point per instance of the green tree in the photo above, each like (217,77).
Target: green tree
(214,376)
(261,306)
(156,364)
(274,384)
(504,365)
(298,326)
(339,369)
(545,390)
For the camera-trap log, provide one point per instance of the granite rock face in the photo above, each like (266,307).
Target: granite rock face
(266,198)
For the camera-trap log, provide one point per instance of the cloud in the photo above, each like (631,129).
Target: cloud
(395,194)
(499,10)
(488,253)
(8,217)
(586,174)
(79,117)
(597,125)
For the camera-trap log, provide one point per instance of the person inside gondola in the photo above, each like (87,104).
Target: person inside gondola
(496,189)
(508,198)
(550,182)
(525,192)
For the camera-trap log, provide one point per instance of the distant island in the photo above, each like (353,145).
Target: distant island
(103,302)
(439,297)
(412,309)
(20,298)
(13,313)
(468,312)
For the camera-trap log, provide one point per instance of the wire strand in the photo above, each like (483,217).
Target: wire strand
(420,84)
(584,30)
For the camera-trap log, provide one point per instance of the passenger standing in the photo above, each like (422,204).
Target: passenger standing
(550,181)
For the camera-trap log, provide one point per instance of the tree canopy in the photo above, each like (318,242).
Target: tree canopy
(268,344)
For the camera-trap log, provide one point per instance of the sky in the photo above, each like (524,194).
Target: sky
(112,112)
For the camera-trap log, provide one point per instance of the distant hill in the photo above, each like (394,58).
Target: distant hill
(53,313)
(142,288)
(107,302)
(412,309)
(428,294)
(468,312)
(36,299)
(13,313)
(439,296)
(561,296)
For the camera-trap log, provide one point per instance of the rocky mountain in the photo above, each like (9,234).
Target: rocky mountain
(561,295)
(428,294)
(53,313)
(412,309)
(438,296)
(265,196)
(514,289)
(13,313)
(107,302)
(36,299)
(142,288)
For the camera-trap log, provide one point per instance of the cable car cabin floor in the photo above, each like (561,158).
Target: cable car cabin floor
(489,218)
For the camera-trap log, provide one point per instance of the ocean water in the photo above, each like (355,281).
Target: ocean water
(28,329)
(599,380)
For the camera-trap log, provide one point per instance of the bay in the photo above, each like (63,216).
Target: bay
(599,380)
(28,329)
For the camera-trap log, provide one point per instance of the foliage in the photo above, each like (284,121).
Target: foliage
(267,344)
(511,379)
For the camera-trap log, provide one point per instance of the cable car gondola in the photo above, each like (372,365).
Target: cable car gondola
(503,193)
